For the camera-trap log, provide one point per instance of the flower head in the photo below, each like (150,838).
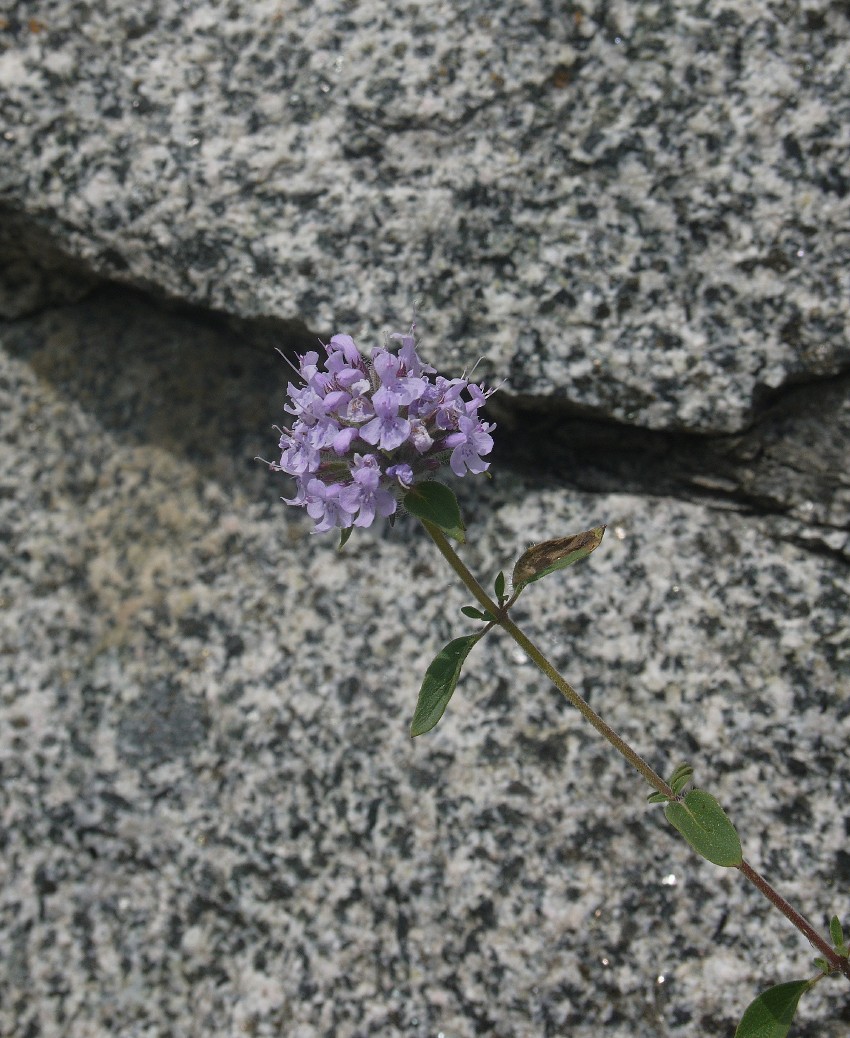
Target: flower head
(366,430)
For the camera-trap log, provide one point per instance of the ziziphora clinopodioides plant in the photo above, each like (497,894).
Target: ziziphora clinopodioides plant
(372,433)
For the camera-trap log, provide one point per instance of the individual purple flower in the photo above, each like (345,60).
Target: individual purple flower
(390,370)
(471,441)
(359,407)
(365,495)
(421,439)
(309,366)
(443,402)
(366,430)
(305,402)
(386,430)
(403,473)
(298,453)
(409,357)
(345,362)
(326,504)
(345,346)
(344,438)
(478,397)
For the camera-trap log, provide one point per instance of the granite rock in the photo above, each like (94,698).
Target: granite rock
(214,822)
(640,209)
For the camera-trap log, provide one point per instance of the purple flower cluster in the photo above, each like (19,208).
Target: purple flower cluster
(367,429)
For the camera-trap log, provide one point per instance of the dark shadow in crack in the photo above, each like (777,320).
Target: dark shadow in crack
(210,388)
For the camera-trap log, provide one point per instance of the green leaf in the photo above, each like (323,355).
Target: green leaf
(772,1013)
(837,934)
(681,777)
(548,556)
(435,503)
(476,614)
(822,965)
(441,677)
(499,586)
(704,824)
(343,537)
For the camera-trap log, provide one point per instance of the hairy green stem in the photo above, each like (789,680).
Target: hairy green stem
(838,963)
(531,650)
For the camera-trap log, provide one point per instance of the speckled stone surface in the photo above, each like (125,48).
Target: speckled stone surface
(642,209)
(213,821)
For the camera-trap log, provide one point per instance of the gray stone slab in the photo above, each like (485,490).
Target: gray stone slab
(638,208)
(214,822)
